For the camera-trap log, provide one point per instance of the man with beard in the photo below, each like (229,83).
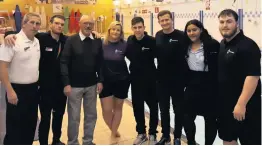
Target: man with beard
(239,84)
(52,98)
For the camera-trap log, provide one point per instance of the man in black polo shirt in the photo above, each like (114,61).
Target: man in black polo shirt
(52,98)
(171,72)
(239,84)
(81,64)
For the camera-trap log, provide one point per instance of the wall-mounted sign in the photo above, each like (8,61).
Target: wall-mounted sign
(57,8)
(156,9)
(91,2)
(207,4)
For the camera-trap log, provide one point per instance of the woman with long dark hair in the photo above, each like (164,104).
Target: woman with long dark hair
(201,86)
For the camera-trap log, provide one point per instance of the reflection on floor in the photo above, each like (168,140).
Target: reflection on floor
(102,133)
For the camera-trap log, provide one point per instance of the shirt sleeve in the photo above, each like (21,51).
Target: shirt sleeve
(6,53)
(100,62)
(64,62)
(250,55)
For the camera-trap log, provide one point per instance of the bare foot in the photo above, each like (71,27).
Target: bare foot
(118,134)
(113,141)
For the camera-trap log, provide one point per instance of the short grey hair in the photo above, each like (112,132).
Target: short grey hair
(29,15)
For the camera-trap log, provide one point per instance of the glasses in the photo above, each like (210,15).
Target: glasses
(88,23)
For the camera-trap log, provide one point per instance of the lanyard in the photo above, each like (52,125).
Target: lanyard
(59,50)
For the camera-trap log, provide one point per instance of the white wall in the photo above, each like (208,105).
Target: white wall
(185,11)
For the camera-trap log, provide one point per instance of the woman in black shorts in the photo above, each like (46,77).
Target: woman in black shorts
(116,77)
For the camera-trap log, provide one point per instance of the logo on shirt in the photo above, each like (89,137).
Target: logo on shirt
(229,51)
(144,48)
(213,52)
(48,49)
(171,40)
(26,48)
(118,51)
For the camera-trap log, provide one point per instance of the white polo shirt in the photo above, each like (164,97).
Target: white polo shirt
(23,58)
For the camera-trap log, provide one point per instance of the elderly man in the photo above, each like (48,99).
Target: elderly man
(19,75)
(81,62)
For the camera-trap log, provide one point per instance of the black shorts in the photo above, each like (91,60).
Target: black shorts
(248,131)
(118,89)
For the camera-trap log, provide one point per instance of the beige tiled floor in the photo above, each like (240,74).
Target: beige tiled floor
(102,133)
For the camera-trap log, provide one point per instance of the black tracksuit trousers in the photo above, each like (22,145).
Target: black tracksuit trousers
(144,91)
(165,90)
(51,102)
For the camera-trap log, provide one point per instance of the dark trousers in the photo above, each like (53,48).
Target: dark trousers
(210,128)
(165,90)
(21,119)
(200,99)
(144,91)
(51,102)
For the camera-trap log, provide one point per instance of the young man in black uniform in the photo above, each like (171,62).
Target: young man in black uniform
(141,53)
(239,84)
(52,98)
(171,70)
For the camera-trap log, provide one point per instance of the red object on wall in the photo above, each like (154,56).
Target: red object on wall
(77,18)
(156,9)
(72,21)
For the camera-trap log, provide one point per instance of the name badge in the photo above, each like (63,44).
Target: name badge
(48,49)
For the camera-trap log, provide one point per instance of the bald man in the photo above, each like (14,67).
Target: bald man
(81,63)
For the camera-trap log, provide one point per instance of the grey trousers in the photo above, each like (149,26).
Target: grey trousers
(89,97)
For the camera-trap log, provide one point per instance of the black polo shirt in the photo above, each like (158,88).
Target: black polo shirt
(49,67)
(238,59)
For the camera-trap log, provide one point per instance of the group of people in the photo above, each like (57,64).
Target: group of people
(219,81)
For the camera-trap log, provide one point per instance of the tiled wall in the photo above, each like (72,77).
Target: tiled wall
(186,11)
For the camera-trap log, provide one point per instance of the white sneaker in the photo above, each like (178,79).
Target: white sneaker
(140,139)
(152,140)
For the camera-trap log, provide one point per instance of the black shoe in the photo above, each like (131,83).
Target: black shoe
(164,141)
(58,143)
(191,142)
(177,141)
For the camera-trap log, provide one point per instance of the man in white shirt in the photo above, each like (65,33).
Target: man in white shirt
(19,75)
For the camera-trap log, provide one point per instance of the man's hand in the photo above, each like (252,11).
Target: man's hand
(67,90)
(99,88)
(10,40)
(97,35)
(239,112)
(12,97)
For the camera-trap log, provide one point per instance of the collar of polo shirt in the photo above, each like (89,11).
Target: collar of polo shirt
(82,36)
(25,38)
